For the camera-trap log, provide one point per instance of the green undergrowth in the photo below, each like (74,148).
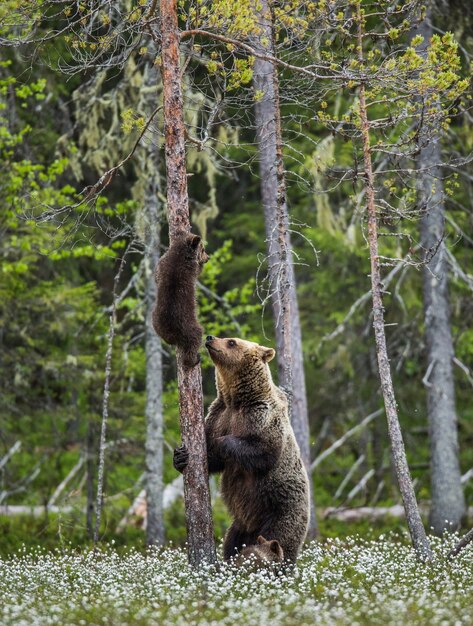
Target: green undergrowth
(68,529)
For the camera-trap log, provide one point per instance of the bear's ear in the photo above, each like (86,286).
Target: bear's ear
(275,547)
(261,539)
(267,354)
(194,241)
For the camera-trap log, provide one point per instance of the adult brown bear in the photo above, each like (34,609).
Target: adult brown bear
(250,440)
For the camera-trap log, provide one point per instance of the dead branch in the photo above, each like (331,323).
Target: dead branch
(360,485)
(349,475)
(461,545)
(369,418)
(62,485)
(15,447)
(91,192)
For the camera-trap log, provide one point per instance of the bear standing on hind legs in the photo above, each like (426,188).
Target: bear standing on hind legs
(250,440)
(175,315)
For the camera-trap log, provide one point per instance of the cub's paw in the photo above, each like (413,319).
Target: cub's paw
(180,458)
(191,360)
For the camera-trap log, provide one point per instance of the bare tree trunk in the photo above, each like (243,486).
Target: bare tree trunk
(282,282)
(200,540)
(103,429)
(414,521)
(448,502)
(106,401)
(154,392)
(154,362)
(90,473)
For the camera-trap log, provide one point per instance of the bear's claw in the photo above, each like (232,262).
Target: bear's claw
(180,458)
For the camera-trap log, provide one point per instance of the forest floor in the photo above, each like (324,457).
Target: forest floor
(350,581)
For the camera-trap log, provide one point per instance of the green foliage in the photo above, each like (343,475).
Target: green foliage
(57,268)
(226,314)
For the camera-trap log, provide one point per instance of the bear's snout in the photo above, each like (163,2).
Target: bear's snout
(209,339)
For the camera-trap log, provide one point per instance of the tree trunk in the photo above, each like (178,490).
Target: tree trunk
(414,521)
(106,401)
(448,502)
(154,394)
(90,474)
(282,282)
(200,540)
(154,363)
(105,411)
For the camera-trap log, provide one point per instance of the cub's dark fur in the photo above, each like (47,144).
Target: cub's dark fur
(261,554)
(175,313)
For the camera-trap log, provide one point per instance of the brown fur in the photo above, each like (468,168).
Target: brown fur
(250,440)
(175,313)
(261,554)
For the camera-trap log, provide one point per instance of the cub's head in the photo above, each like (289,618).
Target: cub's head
(262,553)
(194,250)
(270,550)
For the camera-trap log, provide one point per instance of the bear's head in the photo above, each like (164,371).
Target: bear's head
(262,553)
(270,550)
(238,361)
(193,248)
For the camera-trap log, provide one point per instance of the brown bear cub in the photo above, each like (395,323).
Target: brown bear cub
(175,313)
(250,440)
(261,554)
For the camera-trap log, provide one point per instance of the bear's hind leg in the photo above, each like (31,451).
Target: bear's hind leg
(191,344)
(235,539)
(289,532)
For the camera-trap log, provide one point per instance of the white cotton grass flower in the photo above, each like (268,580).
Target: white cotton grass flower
(347,582)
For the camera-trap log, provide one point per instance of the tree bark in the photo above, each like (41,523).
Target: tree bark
(154,363)
(90,473)
(414,521)
(106,402)
(448,502)
(154,395)
(200,540)
(103,429)
(282,283)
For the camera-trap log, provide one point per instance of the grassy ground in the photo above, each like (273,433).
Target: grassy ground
(68,530)
(350,581)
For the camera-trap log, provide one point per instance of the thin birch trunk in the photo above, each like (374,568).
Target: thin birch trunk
(154,484)
(200,540)
(90,473)
(103,429)
(282,282)
(414,521)
(106,402)
(154,391)
(448,501)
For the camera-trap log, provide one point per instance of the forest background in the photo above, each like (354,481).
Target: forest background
(68,115)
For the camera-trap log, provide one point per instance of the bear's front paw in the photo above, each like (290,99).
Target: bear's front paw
(180,458)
